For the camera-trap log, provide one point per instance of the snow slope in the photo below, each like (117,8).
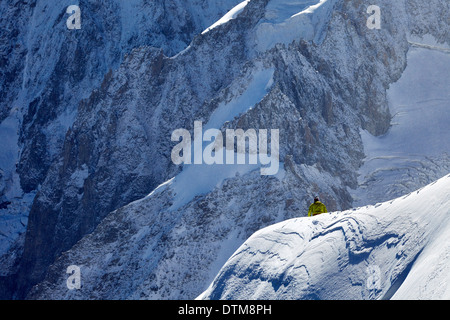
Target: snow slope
(419,105)
(47,70)
(232,14)
(167,245)
(209,176)
(393,250)
(287,21)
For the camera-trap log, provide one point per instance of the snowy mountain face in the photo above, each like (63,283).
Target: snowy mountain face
(47,70)
(394,250)
(419,107)
(50,70)
(90,141)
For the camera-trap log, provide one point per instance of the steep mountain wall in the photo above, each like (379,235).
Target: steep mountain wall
(325,86)
(47,70)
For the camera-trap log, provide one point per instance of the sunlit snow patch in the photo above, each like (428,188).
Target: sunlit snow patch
(416,148)
(286,21)
(232,14)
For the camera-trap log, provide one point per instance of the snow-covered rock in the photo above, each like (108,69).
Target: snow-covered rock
(393,250)
(321,86)
(46,70)
(416,149)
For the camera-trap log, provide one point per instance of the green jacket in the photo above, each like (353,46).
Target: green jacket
(317,208)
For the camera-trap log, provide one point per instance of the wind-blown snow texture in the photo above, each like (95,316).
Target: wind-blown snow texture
(397,249)
(94,184)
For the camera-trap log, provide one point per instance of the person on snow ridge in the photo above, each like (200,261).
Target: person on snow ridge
(316,208)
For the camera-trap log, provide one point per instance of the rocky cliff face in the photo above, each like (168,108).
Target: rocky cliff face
(47,70)
(325,82)
(56,68)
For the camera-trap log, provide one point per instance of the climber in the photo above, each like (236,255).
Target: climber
(316,208)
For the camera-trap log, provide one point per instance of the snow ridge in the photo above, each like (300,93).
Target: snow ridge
(396,249)
(315,86)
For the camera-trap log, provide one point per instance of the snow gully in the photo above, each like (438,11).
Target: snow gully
(213,153)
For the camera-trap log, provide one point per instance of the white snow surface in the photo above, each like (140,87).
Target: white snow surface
(416,149)
(393,250)
(232,14)
(362,253)
(210,176)
(398,249)
(287,21)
